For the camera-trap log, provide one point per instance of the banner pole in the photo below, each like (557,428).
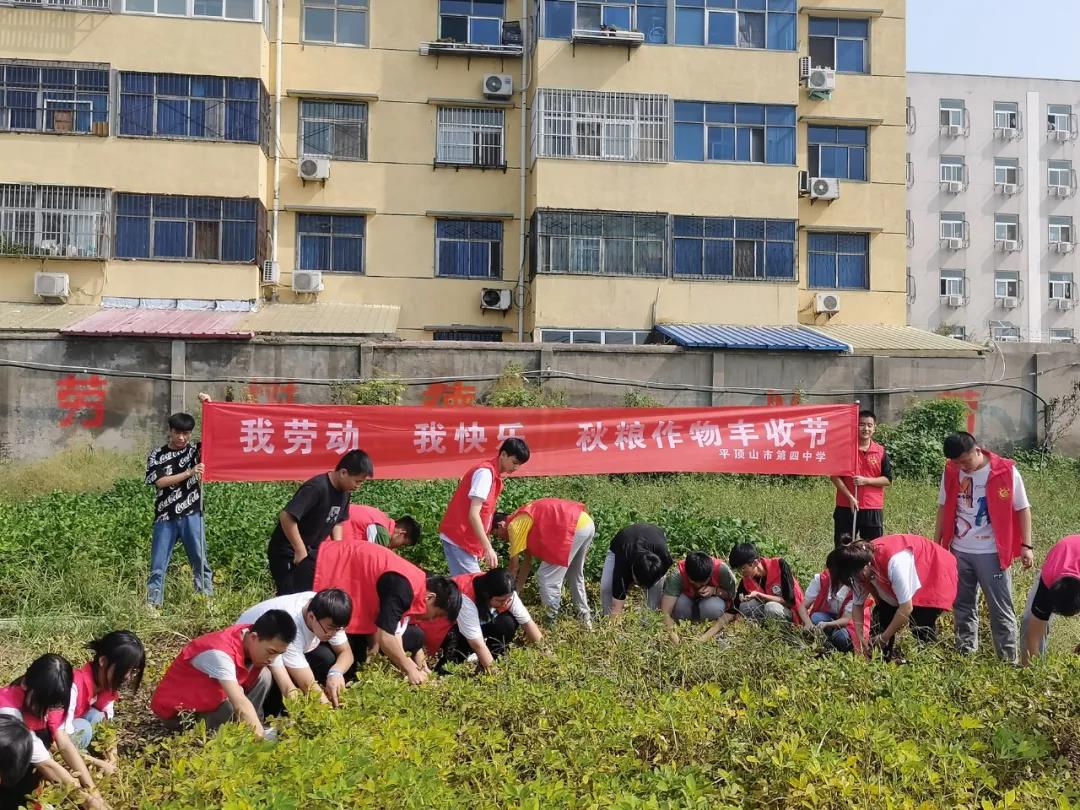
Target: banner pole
(855,508)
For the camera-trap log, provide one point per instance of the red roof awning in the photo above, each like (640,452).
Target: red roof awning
(166,323)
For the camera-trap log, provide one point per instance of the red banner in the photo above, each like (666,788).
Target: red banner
(246,442)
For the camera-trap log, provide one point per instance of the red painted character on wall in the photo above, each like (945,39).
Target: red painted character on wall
(81,399)
(449,395)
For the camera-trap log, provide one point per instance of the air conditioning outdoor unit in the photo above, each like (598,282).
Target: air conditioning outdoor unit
(1060,191)
(1063,247)
(1064,303)
(1006,188)
(954,186)
(1008,302)
(824,188)
(51,285)
(314,168)
(498,85)
(1062,134)
(955,301)
(821,80)
(804,68)
(271,272)
(826,303)
(1008,133)
(495,298)
(954,130)
(1008,245)
(954,243)
(307,281)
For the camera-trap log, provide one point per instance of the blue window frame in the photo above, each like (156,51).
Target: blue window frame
(333,243)
(734,248)
(839,152)
(745,133)
(53,97)
(476,22)
(468,248)
(839,260)
(760,24)
(840,44)
(649,17)
(211,229)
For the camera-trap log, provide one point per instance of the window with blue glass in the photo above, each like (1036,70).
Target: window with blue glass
(837,152)
(333,243)
(843,45)
(734,248)
(54,97)
(746,133)
(839,260)
(649,17)
(762,24)
(468,248)
(475,22)
(177,228)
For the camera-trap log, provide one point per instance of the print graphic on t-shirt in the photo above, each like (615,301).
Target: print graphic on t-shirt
(332,518)
(972,513)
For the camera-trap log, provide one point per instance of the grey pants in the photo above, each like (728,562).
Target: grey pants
(983,571)
(550,578)
(758,611)
(652,595)
(1025,623)
(708,609)
(225,712)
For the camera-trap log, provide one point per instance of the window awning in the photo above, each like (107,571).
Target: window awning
(754,338)
(164,323)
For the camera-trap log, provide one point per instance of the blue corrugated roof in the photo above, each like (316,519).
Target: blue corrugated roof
(768,338)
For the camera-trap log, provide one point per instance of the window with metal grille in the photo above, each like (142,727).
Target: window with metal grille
(951,169)
(54,97)
(1059,118)
(603,337)
(1006,171)
(333,243)
(736,23)
(334,129)
(476,335)
(562,17)
(1062,335)
(839,152)
(70,221)
(1006,227)
(475,22)
(219,9)
(841,44)
(1004,331)
(1006,284)
(1061,229)
(468,248)
(953,282)
(610,244)
(1061,286)
(839,260)
(211,229)
(747,133)
(470,136)
(952,112)
(1059,174)
(86,5)
(953,330)
(602,126)
(741,249)
(1006,115)
(951,225)
(336,22)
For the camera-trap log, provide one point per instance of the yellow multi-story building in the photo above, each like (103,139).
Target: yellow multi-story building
(562,170)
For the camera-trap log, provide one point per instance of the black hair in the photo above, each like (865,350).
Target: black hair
(275,624)
(499,517)
(411,527)
(182,422)
(333,604)
(48,684)
(866,413)
(16,748)
(1065,596)
(447,595)
(124,653)
(646,567)
(845,562)
(844,539)
(356,462)
(496,582)
(742,554)
(956,444)
(699,566)
(516,448)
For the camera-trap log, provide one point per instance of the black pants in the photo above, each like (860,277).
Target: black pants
(923,622)
(868,523)
(289,578)
(498,635)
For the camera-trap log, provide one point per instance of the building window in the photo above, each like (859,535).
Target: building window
(1006,227)
(1059,118)
(952,113)
(171,105)
(468,248)
(1061,286)
(333,243)
(603,337)
(1006,284)
(209,229)
(336,22)
(710,247)
(746,133)
(610,244)
(838,152)
(54,221)
(840,44)
(89,5)
(1006,115)
(1059,174)
(952,283)
(951,169)
(602,126)
(649,17)
(54,97)
(952,225)
(470,137)
(334,129)
(1062,336)
(220,9)
(475,22)
(475,335)
(1004,332)
(953,331)
(1006,171)
(1061,230)
(839,260)
(736,23)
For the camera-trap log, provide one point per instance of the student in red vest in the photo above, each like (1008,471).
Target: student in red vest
(558,533)
(223,676)
(768,589)
(371,525)
(913,580)
(700,588)
(860,499)
(468,520)
(828,609)
(638,555)
(16,771)
(1056,591)
(387,593)
(985,519)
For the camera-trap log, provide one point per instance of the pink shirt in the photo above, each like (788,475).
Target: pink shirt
(1063,560)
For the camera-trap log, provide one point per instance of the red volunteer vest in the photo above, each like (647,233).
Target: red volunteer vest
(822,602)
(86,694)
(355,568)
(435,630)
(14,697)
(773,586)
(186,689)
(1063,560)
(361,516)
(688,587)
(868,465)
(455,523)
(999,505)
(935,566)
(551,537)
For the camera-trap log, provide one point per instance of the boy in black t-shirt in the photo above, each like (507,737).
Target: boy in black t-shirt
(317,510)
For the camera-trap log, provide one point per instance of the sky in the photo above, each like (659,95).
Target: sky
(1035,38)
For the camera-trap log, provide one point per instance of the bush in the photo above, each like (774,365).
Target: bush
(513,390)
(377,391)
(640,399)
(914,443)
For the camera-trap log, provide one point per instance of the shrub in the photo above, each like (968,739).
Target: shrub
(376,391)
(640,399)
(914,443)
(514,390)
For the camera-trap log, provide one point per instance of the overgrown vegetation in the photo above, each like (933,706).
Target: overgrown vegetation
(914,443)
(376,391)
(514,390)
(640,399)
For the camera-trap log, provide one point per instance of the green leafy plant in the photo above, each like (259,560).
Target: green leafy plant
(640,399)
(376,391)
(514,390)
(914,443)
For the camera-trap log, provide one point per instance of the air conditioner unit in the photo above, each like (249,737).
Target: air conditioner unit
(954,243)
(954,186)
(824,188)
(826,303)
(495,298)
(307,281)
(804,68)
(1063,247)
(271,272)
(1064,303)
(954,130)
(1062,134)
(821,80)
(1060,191)
(51,285)
(1008,133)
(954,301)
(1008,245)
(498,85)
(1006,188)
(1008,302)
(314,168)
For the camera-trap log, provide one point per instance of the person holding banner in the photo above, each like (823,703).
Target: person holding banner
(465,526)
(768,589)
(370,525)
(1056,592)
(700,588)
(638,555)
(860,499)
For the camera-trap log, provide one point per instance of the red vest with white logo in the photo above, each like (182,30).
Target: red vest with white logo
(999,506)
(821,604)
(86,694)
(455,523)
(14,697)
(689,588)
(935,566)
(355,568)
(1063,560)
(551,537)
(773,586)
(868,466)
(186,689)
(361,516)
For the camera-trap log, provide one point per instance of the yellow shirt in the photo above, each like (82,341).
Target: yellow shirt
(518,531)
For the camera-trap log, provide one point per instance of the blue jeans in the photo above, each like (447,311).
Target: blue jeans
(458,560)
(837,637)
(189,529)
(84,728)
